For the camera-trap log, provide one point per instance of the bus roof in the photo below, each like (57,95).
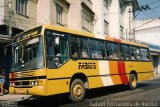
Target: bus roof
(40,30)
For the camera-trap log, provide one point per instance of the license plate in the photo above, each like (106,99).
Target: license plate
(20,91)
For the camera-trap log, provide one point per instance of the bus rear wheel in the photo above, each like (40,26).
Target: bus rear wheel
(77,91)
(132,82)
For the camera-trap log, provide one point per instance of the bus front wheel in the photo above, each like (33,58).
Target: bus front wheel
(77,90)
(132,81)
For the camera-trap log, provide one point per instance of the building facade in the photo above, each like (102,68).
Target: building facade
(81,15)
(15,16)
(114,18)
(150,34)
(53,12)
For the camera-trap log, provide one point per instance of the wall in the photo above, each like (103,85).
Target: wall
(28,21)
(148,33)
(99,17)
(2,12)
(74,15)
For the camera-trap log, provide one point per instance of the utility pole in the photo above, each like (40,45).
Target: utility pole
(129,33)
(10,13)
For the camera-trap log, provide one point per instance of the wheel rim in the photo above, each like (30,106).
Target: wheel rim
(77,90)
(134,81)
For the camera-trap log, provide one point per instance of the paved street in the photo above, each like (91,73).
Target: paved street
(147,94)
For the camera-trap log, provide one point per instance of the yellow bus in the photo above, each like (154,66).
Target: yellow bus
(50,60)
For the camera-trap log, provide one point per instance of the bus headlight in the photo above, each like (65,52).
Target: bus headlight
(34,83)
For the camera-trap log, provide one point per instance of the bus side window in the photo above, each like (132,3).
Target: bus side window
(132,56)
(145,54)
(124,52)
(109,51)
(112,51)
(83,48)
(132,53)
(92,48)
(74,41)
(84,54)
(101,49)
(57,49)
(135,53)
(138,56)
(96,49)
(50,46)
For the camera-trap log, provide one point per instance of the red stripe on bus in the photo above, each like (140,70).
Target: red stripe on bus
(117,40)
(122,72)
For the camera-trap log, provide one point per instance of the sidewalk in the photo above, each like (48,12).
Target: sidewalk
(156,76)
(14,97)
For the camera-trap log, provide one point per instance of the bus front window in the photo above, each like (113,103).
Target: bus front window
(28,55)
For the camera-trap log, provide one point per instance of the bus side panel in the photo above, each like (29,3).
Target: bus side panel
(57,86)
(95,82)
(59,80)
(114,72)
(147,71)
(110,73)
(99,73)
(144,70)
(145,76)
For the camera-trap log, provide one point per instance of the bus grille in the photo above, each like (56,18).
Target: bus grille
(22,83)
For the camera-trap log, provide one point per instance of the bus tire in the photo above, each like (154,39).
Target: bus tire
(132,81)
(77,91)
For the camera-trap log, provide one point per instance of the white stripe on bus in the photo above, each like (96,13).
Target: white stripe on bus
(103,70)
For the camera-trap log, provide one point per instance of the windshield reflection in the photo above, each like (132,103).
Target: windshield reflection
(28,55)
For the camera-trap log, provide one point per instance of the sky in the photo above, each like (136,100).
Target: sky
(152,9)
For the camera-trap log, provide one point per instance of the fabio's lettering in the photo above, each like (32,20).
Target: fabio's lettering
(86,65)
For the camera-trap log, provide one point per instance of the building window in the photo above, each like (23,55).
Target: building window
(21,6)
(87,21)
(106,3)
(106,27)
(121,31)
(59,14)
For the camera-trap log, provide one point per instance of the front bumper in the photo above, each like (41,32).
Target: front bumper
(34,90)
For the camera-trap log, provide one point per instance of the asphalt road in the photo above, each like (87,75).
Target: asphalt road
(147,94)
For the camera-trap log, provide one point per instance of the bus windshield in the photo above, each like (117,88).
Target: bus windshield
(28,54)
